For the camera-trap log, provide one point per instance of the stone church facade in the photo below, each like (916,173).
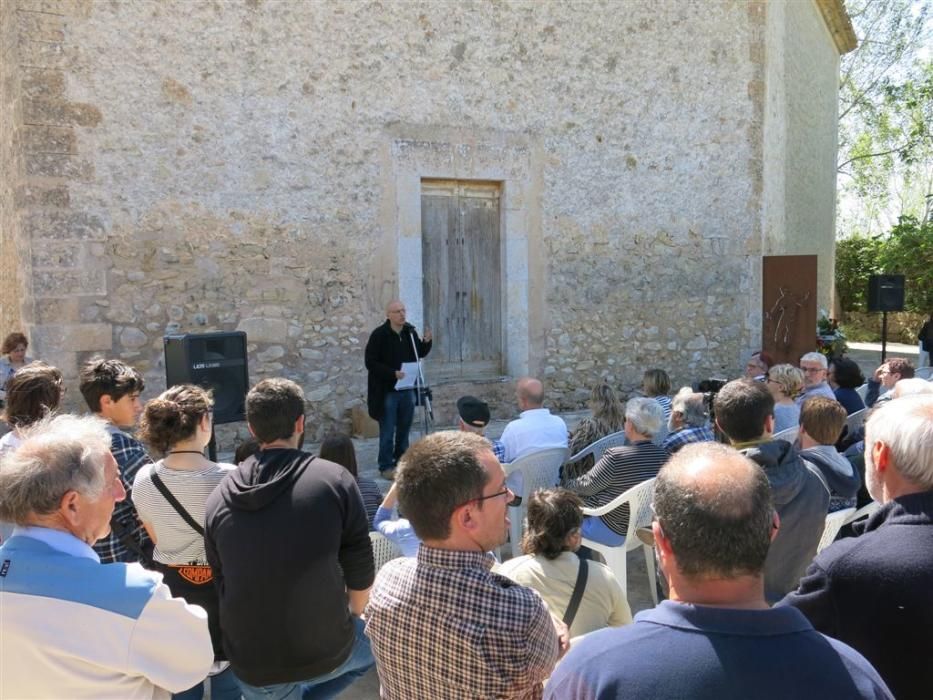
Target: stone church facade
(572,190)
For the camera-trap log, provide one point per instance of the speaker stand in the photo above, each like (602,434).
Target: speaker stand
(212,447)
(884,336)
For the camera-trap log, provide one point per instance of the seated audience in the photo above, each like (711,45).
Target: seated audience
(111,390)
(845,376)
(396,529)
(758,365)
(821,424)
(886,376)
(551,566)
(339,450)
(619,469)
(179,424)
(744,412)
(535,429)
(444,625)
(815,369)
(71,627)
(608,418)
(689,421)
(473,416)
(875,591)
(716,637)
(657,385)
(785,382)
(288,543)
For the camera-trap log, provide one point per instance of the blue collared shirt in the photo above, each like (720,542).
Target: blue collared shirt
(58,540)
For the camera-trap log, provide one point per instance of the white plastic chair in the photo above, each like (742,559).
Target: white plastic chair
(384,549)
(790,435)
(539,470)
(639,503)
(598,448)
(863,512)
(924,372)
(862,391)
(834,522)
(856,420)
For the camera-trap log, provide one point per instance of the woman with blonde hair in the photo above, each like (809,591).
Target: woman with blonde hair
(170,497)
(608,417)
(785,382)
(656,384)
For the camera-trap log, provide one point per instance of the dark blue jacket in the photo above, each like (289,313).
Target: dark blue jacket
(875,593)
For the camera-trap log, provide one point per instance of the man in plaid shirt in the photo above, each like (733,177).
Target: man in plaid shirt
(444,625)
(111,390)
(689,421)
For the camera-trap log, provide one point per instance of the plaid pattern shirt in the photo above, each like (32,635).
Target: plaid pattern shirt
(685,436)
(498,449)
(131,457)
(444,625)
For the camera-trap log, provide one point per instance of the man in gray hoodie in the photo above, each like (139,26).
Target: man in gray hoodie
(745,413)
(821,423)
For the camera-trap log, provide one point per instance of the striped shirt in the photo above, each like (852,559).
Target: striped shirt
(130,456)
(178,543)
(445,626)
(619,469)
(372,498)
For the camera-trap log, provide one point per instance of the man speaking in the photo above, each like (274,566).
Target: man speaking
(390,345)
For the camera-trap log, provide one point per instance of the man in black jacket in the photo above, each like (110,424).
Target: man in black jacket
(287,538)
(391,344)
(875,591)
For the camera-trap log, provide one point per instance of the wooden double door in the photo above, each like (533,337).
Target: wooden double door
(461,263)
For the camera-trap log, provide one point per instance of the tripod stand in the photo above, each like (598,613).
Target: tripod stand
(423,393)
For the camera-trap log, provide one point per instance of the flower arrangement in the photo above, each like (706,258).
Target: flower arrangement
(830,338)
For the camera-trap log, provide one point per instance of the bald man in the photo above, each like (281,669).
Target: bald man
(535,429)
(391,344)
(716,637)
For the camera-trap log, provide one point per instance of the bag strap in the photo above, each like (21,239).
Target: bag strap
(130,542)
(179,508)
(577,595)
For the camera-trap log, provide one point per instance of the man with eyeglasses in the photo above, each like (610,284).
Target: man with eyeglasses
(716,637)
(815,369)
(443,625)
(887,375)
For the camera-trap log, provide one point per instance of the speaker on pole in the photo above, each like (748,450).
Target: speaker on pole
(886,293)
(215,361)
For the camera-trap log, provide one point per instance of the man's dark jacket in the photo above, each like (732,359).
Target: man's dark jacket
(275,531)
(801,502)
(875,593)
(386,350)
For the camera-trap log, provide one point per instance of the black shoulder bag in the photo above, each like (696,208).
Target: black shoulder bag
(193,582)
(577,594)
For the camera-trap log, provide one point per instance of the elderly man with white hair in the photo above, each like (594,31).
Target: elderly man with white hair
(73,627)
(815,369)
(620,469)
(689,421)
(875,591)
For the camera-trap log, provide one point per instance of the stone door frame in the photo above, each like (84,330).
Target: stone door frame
(512,161)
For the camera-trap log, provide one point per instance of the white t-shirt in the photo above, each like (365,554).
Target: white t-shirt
(178,543)
(536,429)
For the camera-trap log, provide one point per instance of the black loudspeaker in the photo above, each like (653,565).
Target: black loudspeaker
(886,293)
(216,361)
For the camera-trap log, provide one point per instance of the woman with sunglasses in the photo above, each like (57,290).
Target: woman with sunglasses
(170,497)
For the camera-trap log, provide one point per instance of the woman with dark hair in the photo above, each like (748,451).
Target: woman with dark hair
(170,497)
(339,449)
(551,567)
(845,376)
(32,393)
(656,385)
(12,358)
(608,417)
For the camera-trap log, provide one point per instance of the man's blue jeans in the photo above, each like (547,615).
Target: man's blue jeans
(330,685)
(398,410)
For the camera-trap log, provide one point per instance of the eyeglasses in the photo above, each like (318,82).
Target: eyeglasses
(812,370)
(503,492)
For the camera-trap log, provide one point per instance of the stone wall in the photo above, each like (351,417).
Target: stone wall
(234,165)
(10,289)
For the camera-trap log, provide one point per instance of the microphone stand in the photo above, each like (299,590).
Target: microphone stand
(421,387)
